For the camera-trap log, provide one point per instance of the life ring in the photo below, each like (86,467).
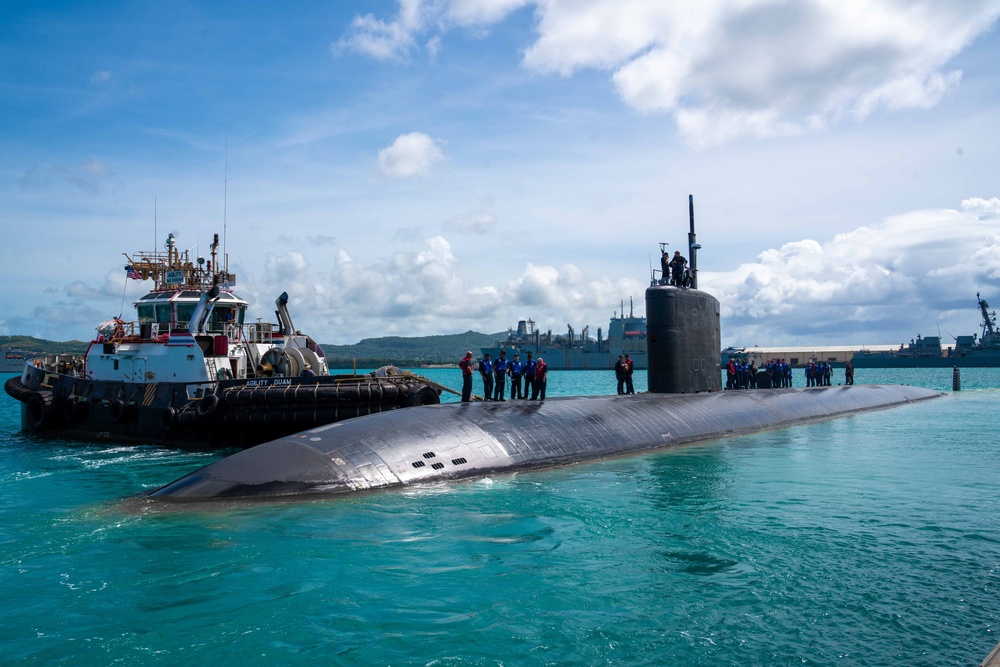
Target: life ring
(224,374)
(40,413)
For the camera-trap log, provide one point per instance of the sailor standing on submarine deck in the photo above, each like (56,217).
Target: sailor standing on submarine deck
(466,366)
(500,376)
(541,379)
(516,370)
(486,370)
(529,375)
(620,373)
(629,369)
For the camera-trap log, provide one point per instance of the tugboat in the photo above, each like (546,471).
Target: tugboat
(191,373)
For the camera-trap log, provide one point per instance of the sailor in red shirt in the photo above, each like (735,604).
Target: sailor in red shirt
(541,377)
(466,366)
(629,369)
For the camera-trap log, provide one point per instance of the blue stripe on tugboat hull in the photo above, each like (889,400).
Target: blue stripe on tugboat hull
(450,441)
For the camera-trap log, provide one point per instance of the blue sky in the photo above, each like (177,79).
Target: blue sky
(434,166)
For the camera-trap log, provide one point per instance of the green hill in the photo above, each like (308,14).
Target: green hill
(40,346)
(400,351)
(368,353)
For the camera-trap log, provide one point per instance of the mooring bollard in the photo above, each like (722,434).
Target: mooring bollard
(956,380)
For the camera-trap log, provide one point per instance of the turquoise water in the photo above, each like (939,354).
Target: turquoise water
(868,540)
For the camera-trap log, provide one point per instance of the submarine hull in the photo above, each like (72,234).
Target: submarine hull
(456,440)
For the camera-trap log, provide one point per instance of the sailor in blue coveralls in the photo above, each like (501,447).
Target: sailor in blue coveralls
(529,374)
(486,370)
(516,370)
(500,375)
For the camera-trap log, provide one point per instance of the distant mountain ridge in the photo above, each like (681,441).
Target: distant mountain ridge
(404,351)
(367,353)
(40,346)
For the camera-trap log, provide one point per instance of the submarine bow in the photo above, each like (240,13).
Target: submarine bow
(456,440)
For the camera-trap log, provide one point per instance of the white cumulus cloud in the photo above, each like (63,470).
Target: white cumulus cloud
(409,155)
(876,282)
(725,69)
(384,40)
(982,208)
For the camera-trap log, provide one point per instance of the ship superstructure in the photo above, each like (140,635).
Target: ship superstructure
(569,351)
(927,351)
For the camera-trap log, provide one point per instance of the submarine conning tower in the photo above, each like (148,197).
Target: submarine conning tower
(683,334)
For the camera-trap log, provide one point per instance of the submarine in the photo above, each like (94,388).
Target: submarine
(422,444)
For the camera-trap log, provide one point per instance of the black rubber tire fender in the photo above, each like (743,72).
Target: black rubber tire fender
(16,390)
(207,406)
(423,396)
(41,406)
(120,411)
(168,418)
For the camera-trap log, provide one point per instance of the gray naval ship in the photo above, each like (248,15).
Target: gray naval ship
(926,351)
(12,360)
(434,443)
(626,335)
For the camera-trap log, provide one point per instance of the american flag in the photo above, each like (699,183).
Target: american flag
(132,273)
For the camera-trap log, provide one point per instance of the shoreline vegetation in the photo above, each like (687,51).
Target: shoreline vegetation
(442,351)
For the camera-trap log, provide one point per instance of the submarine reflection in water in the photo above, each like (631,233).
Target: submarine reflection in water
(456,440)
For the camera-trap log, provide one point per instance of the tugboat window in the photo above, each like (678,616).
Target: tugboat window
(224,314)
(147,314)
(184,313)
(163,313)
